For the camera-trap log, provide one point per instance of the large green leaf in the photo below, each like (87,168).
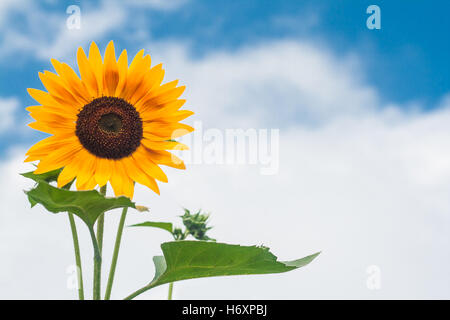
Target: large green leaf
(88,205)
(197,259)
(160,225)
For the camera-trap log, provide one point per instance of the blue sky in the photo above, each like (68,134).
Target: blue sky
(407,60)
(364,150)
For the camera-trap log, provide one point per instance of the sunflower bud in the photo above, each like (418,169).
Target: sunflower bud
(196,225)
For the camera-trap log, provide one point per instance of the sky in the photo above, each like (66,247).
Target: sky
(363,158)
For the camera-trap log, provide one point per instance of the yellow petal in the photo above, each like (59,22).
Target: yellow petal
(51,143)
(152,137)
(53,127)
(164,88)
(43,114)
(70,171)
(95,60)
(103,171)
(127,182)
(72,80)
(164,145)
(88,185)
(57,158)
(174,117)
(151,79)
(70,115)
(110,70)
(87,169)
(137,60)
(138,69)
(57,88)
(165,97)
(87,73)
(147,165)
(46,143)
(138,175)
(169,130)
(42,97)
(161,109)
(116,180)
(122,67)
(166,158)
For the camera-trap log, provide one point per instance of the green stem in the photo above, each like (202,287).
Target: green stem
(97,264)
(138,292)
(76,246)
(100,228)
(170,291)
(146,288)
(101,223)
(112,270)
(169,297)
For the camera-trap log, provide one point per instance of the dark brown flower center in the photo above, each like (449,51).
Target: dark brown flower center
(109,127)
(110,122)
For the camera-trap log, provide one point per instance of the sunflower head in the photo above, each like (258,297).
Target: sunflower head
(114,123)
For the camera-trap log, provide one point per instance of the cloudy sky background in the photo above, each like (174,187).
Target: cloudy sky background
(364,153)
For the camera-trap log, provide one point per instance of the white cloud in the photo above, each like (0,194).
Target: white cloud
(95,23)
(7,6)
(353,191)
(44,34)
(158,4)
(278,83)
(366,183)
(7,108)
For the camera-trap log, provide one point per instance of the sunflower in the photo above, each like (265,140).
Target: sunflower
(113,124)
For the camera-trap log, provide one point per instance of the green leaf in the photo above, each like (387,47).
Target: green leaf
(197,259)
(88,205)
(160,266)
(47,177)
(161,225)
(50,176)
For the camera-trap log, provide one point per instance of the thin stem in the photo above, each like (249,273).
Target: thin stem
(112,270)
(138,292)
(101,223)
(76,246)
(97,264)
(148,287)
(170,291)
(169,297)
(100,228)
